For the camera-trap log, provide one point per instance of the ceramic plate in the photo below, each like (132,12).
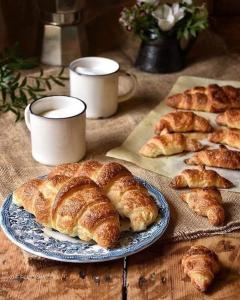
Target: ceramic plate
(22,229)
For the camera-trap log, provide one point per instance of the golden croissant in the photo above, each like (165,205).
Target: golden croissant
(230,118)
(129,197)
(200,264)
(219,158)
(182,121)
(73,206)
(169,144)
(212,98)
(230,137)
(206,202)
(233,95)
(200,178)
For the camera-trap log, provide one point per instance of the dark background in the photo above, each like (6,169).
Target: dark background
(20,21)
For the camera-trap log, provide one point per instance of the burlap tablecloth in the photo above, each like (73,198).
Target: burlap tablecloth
(17,165)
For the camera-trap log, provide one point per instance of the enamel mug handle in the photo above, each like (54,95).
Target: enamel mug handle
(133,88)
(27,117)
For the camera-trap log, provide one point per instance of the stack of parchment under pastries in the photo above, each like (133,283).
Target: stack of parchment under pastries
(204,197)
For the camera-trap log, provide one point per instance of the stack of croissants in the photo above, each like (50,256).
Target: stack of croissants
(172,138)
(87,200)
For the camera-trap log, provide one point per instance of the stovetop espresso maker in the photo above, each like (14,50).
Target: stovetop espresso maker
(64,37)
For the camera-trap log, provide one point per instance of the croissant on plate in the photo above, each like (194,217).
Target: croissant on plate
(230,118)
(130,198)
(212,98)
(169,144)
(200,178)
(230,137)
(206,202)
(182,121)
(219,158)
(73,206)
(200,264)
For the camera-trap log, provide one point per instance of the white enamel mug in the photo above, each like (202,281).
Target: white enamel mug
(95,80)
(57,126)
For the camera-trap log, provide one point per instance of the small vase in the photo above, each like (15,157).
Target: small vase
(160,55)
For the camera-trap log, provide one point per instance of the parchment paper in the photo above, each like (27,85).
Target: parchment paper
(170,166)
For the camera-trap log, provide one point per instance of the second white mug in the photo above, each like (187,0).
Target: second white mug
(95,80)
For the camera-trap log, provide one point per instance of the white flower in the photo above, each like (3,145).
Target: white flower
(188,2)
(167,16)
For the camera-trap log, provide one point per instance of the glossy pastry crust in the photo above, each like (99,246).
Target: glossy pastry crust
(230,137)
(169,144)
(233,95)
(200,264)
(206,202)
(230,118)
(212,98)
(220,158)
(73,206)
(182,121)
(200,178)
(129,197)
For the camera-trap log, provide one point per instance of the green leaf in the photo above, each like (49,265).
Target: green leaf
(23,83)
(186,34)
(48,84)
(32,94)
(61,71)
(56,81)
(17,77)
(63,77)
(23,97)
(5,108)
(4,94)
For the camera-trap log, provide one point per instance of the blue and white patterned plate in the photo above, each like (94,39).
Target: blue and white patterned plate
(22,229)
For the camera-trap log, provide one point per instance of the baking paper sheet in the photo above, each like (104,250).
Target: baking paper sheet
(170,166)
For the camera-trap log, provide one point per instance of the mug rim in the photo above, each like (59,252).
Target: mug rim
(97,57)
(58,118)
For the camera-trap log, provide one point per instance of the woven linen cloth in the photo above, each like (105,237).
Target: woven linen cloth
(18,166)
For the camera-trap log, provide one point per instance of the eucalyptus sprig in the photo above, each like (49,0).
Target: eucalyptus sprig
(17,89)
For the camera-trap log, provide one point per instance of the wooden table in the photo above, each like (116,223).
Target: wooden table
(154,273)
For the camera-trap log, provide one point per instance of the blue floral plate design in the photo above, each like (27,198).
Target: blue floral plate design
(22,229)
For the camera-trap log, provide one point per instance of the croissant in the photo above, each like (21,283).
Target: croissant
(230,118)
(182,121)
(200,178)
(230,137)
(233,95)
(220,158)
(169,144)
(129,197)
(200,264)
(73,206)
(206,202)
(210,99)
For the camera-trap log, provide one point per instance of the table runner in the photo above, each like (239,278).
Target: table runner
(17,165)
